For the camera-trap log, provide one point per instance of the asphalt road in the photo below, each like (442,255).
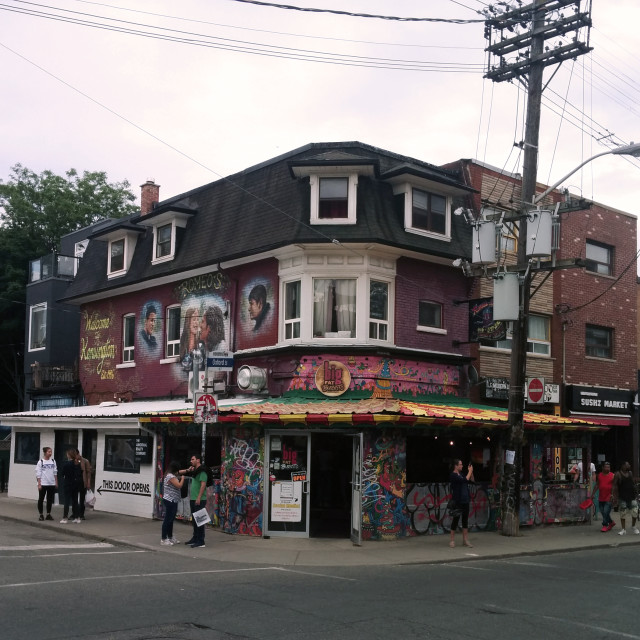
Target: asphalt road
(53,585)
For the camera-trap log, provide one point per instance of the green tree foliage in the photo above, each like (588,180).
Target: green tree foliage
(35,212)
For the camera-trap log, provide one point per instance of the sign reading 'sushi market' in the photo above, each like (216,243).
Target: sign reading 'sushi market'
(599,400)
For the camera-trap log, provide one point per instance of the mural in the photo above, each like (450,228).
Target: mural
(150,343)
(383,485)
(241,491)
(256,307)
(380,378)
(98,344)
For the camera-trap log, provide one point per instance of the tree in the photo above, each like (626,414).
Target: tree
(35,212)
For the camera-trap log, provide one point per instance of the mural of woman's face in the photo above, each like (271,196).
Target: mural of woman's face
(195,323)
(204,327)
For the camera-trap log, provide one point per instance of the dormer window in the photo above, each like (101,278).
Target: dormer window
(121,239)
(163,241)
(429,212)
(333,198)
(116,256)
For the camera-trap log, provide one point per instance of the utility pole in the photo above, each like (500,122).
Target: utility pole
(533,25)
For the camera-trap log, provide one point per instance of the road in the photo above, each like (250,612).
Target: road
(54,585)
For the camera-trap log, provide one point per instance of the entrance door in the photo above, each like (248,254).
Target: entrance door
(356,491)
(288,455)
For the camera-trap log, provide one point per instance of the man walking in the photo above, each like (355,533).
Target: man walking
(85,465)
(197,498)
(605,491)
(47,478)
(624,495)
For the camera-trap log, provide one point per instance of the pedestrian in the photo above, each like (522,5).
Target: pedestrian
(460,494)
(47,478)
(605,494)
(71,474)
(197,498)
(170,498)
(624,495)
(85,466)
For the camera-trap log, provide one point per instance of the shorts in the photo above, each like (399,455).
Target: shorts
(626,508)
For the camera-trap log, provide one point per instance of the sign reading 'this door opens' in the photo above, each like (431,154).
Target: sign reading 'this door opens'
(332,378)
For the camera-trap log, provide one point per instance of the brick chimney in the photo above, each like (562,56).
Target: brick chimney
(149,196)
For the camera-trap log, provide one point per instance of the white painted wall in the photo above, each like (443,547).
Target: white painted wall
(22,477)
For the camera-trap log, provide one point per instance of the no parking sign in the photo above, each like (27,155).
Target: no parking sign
(206,408)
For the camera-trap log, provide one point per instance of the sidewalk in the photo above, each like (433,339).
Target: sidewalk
(318,552)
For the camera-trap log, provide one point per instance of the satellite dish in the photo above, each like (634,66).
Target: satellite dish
(472,374)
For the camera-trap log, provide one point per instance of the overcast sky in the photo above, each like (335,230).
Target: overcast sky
(147,106)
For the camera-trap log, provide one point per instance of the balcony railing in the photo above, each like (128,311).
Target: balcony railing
(44,376)
(52,266)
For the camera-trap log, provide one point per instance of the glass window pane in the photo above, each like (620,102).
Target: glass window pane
(378,300)
(334,308)
(292,300)
(117,255)
(430,314)
(334,187)
(538,328)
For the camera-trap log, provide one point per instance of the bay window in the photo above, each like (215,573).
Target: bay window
(334,308)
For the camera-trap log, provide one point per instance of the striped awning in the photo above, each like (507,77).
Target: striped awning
(375,411)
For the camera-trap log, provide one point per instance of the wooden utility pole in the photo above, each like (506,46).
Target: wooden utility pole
(545,22)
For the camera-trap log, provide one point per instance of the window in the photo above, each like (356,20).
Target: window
(120,454)
(292,310)
(378,310)
(429,314)
(507,239)
(27,447)
(334,308)
(599,258)
(429,212)
(128,337)
(173,331)
(599,342)
(333,198)
(538,338)
(116,255)
(38,327)
(164,236)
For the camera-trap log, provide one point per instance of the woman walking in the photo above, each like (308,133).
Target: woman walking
(460,494)
(170,499)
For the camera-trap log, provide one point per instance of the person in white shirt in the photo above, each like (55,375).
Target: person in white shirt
(577,472)
(47,478)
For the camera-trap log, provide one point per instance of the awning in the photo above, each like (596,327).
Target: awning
(371,412)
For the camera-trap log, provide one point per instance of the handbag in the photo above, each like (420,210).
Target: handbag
(453,508)
(201,517)
(90,498)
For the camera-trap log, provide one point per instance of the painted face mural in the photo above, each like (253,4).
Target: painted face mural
(149,335)
(258,310)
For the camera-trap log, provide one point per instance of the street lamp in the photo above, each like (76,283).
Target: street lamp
(513,456)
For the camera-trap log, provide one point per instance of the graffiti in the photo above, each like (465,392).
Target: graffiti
(241,498)
(383,484)
(94,322)
(427,506)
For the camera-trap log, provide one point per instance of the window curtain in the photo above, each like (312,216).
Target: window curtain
(334,306)
(346,305)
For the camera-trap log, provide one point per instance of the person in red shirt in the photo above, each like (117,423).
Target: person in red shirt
(605,495)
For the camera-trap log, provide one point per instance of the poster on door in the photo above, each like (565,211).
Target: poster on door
(286,501)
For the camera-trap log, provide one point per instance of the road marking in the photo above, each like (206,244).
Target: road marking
(77,553)
(527,564)
(317,575)
(45,547)
(609,632)
(459,565)
(621,574)
(140,575)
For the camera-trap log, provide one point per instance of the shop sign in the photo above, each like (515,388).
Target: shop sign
(497,388)
(535,390)
(144,449)
(482,326)
(599,400)
(552,393)
(286,501)
(332,378)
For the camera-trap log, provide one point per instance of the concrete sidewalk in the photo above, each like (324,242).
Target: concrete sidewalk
(145,533)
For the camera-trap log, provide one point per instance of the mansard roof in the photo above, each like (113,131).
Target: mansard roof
(265,207)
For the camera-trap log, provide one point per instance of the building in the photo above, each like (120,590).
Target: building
(315,295)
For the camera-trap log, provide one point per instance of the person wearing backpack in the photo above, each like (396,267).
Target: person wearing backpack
(85,465)
(197,497)
(47,478)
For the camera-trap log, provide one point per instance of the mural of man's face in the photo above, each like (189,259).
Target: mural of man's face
(255,308)
(150,323)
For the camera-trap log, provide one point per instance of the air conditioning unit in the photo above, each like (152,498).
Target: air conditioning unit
(202,381)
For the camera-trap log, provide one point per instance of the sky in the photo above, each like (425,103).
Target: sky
(191,95)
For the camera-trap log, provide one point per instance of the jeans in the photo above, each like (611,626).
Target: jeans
(70,500)
(198,532)
(605,510)
(50,492)
(81,498)
(170,510)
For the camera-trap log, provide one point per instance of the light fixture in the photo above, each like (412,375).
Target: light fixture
(251,378)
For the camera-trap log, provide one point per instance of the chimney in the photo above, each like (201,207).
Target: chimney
(149,196)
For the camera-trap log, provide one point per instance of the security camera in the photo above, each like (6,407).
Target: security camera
(459,211)
(457,262)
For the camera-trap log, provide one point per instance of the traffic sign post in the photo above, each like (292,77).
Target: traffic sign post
(205,408)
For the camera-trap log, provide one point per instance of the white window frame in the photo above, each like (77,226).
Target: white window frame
(129,245)
(531,342)
(128,351)
(172,249)
(292,324)
(429,328)
(378,325)
(172,347)
(352,198)
(40,308)
(590,261)
(406,188)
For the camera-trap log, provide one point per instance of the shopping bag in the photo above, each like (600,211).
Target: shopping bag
(201,517)
(90,498)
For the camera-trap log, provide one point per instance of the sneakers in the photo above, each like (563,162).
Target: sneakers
(77,521)
(605,528)
(41,518)
(174,540)
(197,545)
(63,521)
(190,542)
(165,542)
(636,531)
(613,524)
(48,517)
(622,532)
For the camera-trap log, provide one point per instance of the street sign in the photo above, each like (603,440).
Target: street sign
(205,408)
(535,390)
